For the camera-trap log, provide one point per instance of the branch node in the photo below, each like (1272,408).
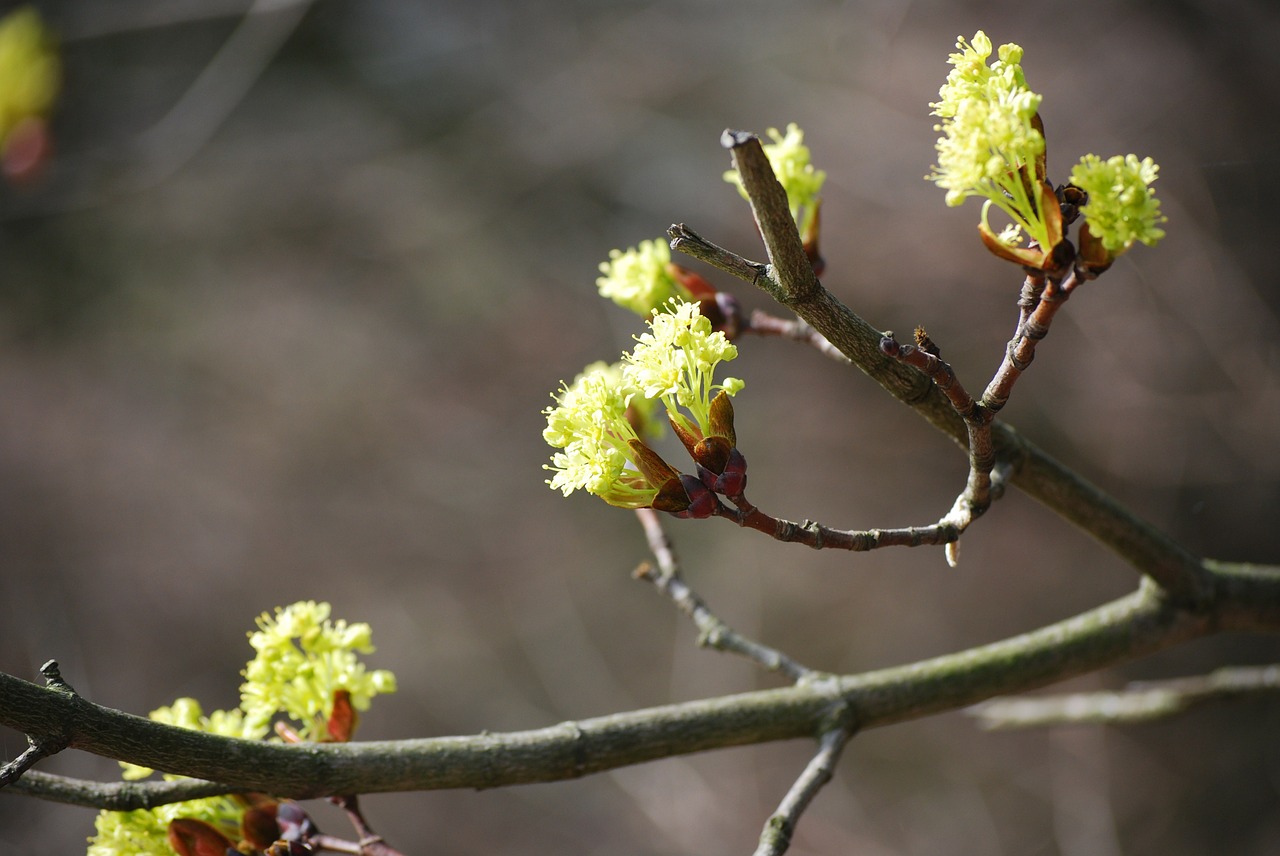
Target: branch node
(53,678)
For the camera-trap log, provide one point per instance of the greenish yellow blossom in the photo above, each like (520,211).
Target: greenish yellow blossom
(791,162)
(639,279)
(675,363)
(145,832)
(302,659)
(990,139)
(1121,208)
(589,425)
(29,71)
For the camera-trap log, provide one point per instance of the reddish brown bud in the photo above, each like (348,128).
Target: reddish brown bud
(731,481)
(1093,255)
(191,837)
(672,497)
(692,282)
(650,464)
(343,720)
(27,151)
(810,240)
(258,827)
(688,439)
(712,453)
(720,418)
(702,502)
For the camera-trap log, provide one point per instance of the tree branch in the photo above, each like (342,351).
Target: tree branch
(1148,550)
(115,796)
(1139,702)
(1246,598)
(776,837)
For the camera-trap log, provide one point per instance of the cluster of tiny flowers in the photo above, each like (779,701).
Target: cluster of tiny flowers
(989,136)
(589,426)
(639,279)
(302,660)
(673,364)
(29,70)
(1121,207)
(790,159)
(145,832)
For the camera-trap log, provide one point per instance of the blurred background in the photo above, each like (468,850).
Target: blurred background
(279,314)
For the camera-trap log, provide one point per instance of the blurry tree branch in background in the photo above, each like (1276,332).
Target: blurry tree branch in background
(1141,701)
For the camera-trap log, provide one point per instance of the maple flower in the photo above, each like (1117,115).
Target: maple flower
(991,141)
(29,70)
(640,279)
(1121,206)
(302,659)
(144,832)
(675,363)
(600,450)
(792,164)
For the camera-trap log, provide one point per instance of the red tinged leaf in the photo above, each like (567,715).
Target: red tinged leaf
(342,722)
(692,282)
(720,418)
(651,465)
(191,837)
(258,827)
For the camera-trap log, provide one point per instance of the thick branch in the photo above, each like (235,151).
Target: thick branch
(1248,598)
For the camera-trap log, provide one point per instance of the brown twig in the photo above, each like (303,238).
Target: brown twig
(821,537)
(762,323)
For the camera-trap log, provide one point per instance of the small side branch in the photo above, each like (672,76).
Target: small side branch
(712,632)
(689,242)
(797,329)
(821,537)
(115,796)
(1139,702)
(1041,299)
(776,837)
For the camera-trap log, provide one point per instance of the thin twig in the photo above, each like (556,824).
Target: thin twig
(796,329)
(1033,325)
(370,843)
(115,796)
(712,632)
(821,537)
(776,837)
(1139,702)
